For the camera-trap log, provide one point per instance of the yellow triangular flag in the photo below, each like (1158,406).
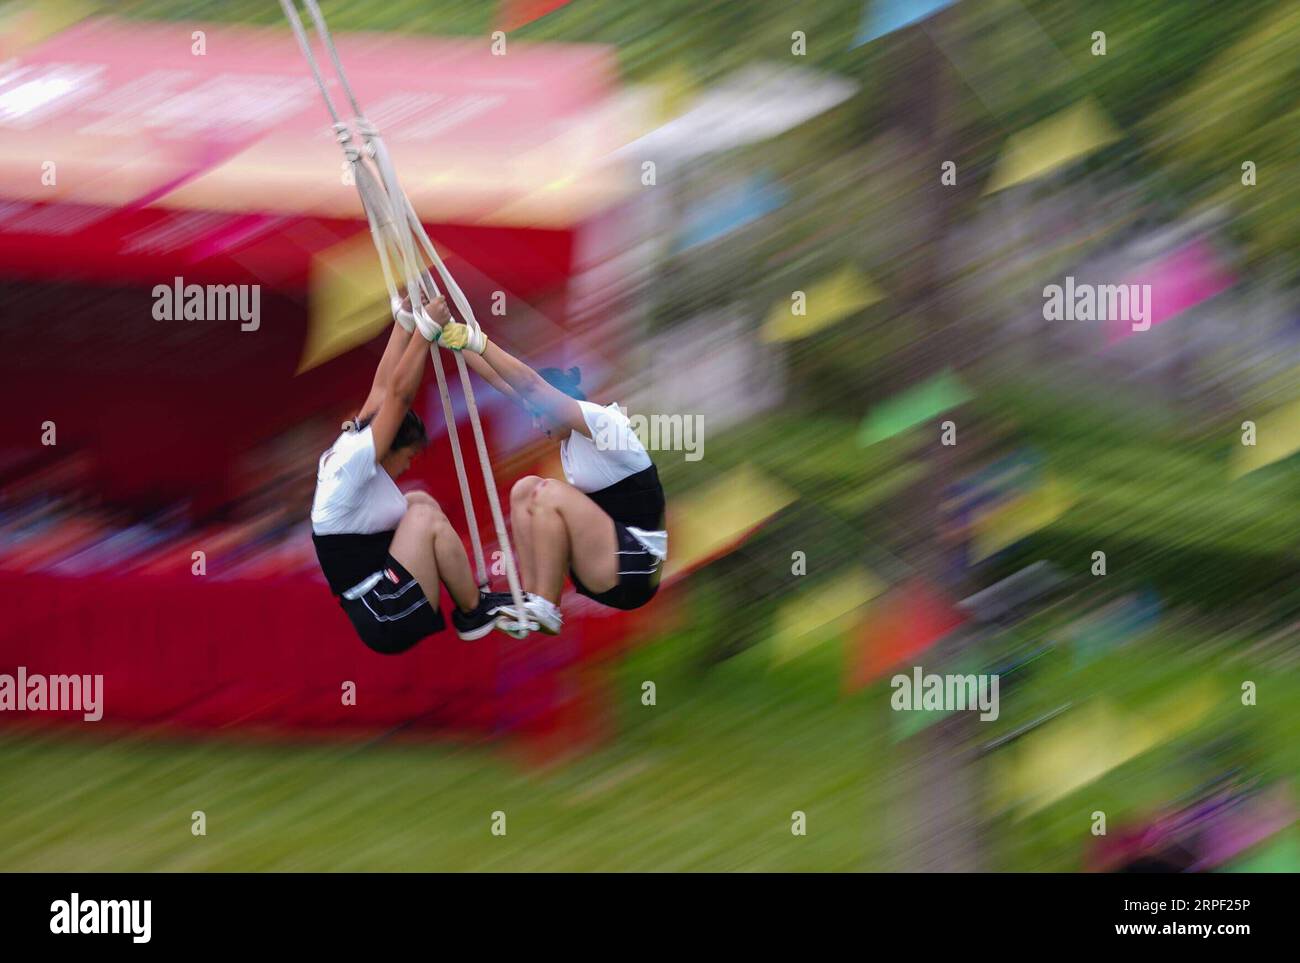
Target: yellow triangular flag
(1277,436)
(707,521)
(349,301)
(828,300)
(809,618)
(1067,754)
(1020,517)
(1085,744)
(1061,139)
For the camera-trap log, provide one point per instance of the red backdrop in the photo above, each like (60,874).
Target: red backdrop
(223,171)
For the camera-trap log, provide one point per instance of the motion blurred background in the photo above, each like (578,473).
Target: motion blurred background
(808,243)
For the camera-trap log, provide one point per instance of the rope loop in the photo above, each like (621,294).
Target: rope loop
(395,228)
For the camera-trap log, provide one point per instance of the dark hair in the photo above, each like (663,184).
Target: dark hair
(410,432)
(566,381)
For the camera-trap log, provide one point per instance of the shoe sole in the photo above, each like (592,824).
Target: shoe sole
(471,635)
(506,616)
(510,628)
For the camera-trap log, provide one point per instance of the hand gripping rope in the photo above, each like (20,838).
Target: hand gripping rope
(400,237)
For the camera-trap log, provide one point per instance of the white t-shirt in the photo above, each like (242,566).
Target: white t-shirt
(354,495)
(612,453)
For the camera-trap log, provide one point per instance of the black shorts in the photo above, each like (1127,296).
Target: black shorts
(638,574)
(389,610)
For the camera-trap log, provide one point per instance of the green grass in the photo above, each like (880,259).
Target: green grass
(705,780)
(708,778)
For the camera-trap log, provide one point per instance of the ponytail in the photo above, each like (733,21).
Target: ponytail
(565,381)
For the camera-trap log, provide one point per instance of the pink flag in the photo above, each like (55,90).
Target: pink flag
(1178,281)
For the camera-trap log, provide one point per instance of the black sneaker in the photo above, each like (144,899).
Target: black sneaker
(481,619)
(495,601)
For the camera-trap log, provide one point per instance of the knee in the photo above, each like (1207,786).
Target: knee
(422,498)
(429,516)
(522,491)
(549,494)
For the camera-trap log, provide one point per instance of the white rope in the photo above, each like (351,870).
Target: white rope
(489,482)
(394,223)
(385,227)
(394,188)
(471,519)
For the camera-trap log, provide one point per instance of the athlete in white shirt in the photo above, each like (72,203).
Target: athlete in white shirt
(603,525)
(383,553)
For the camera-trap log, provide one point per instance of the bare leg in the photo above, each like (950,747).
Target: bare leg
(429,548)
(552,551)
(521,526)
(569,530)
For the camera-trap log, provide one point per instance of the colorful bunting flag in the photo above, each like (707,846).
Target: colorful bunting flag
(1277,436)
(826,302)
(882,17)
(809,618)
(1060,140)
(1180,281)
(897,629)
(728,210)
(913,407)
(1019,518)
(710,521)
(1083,745)
(349,302)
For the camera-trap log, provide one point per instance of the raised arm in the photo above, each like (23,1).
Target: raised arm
(395,397)
(525,385)
(488,374)
(397,342)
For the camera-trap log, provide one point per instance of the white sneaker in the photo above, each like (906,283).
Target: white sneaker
(544,615)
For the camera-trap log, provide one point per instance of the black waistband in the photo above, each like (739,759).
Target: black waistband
(347,559)
(637,500)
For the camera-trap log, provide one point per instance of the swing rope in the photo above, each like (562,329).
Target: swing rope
(394,226)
